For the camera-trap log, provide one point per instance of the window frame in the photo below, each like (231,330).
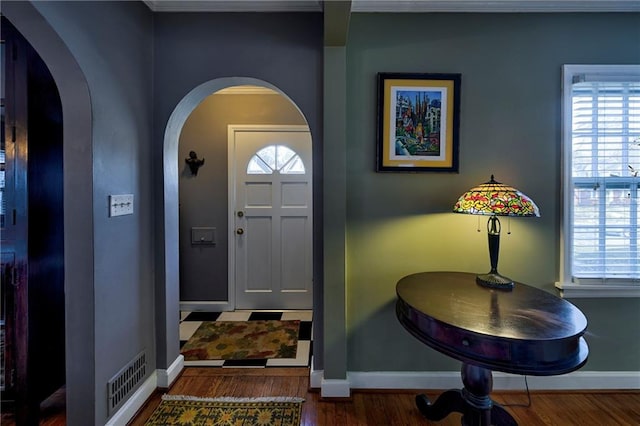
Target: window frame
(276,167)
(566,285)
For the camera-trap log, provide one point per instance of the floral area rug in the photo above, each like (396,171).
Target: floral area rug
(193,411)
(233,340)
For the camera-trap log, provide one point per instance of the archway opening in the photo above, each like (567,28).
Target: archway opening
(178,143)
(77,206)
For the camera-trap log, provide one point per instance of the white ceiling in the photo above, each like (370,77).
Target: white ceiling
(397,5)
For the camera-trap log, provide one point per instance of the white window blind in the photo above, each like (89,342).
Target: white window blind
(602,146)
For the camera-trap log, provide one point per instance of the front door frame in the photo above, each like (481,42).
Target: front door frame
(231,192)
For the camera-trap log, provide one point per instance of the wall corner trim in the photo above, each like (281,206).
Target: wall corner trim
(167,377)
(335,388)
(315,378)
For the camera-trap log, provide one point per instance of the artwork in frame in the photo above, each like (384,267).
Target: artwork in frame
(418,122)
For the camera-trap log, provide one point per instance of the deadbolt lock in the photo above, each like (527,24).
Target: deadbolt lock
(239,231)
(240,213)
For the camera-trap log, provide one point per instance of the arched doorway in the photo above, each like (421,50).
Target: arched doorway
(171,173)
(77,205)
(31,218)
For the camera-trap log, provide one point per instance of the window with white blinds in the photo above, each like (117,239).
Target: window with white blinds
(601,177)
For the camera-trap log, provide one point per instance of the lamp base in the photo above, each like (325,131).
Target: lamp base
(495,280)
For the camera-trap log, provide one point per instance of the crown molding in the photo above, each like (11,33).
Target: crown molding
(398,6)
(234,5)
(493,6)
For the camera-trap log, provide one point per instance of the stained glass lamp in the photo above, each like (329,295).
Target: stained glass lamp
(495,199)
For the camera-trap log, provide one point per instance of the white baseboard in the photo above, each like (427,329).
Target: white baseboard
(585,380)
(404,380)
(335,388)
(135,402)
(166,377)
(221,306)
(315,377)
(578,380)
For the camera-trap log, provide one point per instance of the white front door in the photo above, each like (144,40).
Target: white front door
(271,217)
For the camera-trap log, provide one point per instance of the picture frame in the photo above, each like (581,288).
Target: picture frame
(418,122)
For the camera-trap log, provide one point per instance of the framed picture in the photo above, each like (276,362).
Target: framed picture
(418,121)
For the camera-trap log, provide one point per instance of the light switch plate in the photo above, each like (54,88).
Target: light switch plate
(120,205)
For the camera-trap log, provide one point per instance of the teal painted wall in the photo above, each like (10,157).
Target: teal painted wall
(399,224)
(334,349)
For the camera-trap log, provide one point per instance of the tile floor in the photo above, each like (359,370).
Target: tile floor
(190,321)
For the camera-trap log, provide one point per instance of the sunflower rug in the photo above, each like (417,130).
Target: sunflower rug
(183,410)
(235,340)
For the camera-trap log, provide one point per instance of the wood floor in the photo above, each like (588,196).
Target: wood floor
(397,408)
(387,408)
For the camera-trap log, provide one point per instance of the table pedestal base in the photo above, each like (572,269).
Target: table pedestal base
(472,401)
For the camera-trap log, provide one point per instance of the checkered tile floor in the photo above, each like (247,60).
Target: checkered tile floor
(190,321)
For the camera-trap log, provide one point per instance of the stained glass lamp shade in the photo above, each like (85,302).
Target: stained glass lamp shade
(495,199)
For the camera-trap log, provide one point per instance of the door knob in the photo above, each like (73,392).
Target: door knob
(239,231)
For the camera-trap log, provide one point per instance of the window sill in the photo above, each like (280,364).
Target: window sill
(571,290)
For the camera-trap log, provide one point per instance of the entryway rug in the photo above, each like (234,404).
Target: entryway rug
(234,340)
(190,322)
(181,410)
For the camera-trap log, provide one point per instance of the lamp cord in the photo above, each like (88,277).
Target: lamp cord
(528,404)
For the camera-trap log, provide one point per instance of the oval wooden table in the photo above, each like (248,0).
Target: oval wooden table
(522,331)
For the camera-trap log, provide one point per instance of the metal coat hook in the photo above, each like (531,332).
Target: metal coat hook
(193,162)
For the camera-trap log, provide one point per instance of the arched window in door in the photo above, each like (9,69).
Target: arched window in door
(275,158)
